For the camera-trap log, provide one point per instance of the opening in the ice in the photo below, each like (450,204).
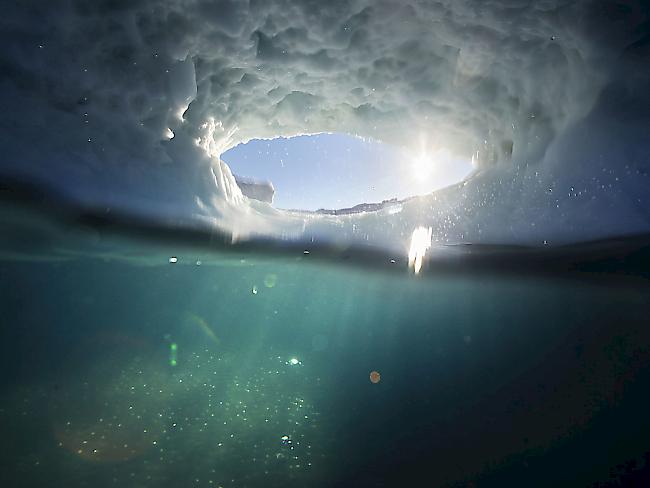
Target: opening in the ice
(335,171)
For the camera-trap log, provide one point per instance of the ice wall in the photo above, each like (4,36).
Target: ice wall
(130,104)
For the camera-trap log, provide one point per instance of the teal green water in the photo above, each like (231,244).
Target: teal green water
(253,370)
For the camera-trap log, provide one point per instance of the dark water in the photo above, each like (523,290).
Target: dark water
(491,375)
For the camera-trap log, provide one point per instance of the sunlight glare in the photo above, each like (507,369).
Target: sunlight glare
(420,243)
(422,166)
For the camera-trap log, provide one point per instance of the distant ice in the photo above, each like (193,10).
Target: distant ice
(256,190)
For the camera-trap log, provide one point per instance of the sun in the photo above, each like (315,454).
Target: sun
(421,167)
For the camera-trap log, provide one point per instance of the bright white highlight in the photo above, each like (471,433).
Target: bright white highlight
(422,167)
(215,138)
(420,243)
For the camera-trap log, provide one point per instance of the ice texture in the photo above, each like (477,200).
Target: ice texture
(130,104)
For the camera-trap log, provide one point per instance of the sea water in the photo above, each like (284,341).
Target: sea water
(135,361)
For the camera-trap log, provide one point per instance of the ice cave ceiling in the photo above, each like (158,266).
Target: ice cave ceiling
(133,102)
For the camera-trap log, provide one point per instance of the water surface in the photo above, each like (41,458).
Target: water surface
(246,367)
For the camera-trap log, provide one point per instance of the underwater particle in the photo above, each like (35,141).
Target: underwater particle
(270,280)
(254,290)
(305,251)
(173,260)
(173,351)
(294,361)
(375,377)
(198,262)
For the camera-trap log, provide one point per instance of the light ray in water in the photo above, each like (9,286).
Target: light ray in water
(200,323)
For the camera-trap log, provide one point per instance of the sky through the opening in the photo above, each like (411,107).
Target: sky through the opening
(338,171)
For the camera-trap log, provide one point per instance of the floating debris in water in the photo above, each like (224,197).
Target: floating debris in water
(173,260)
(254,290)
(375,377)
(305,251)
(294,362)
